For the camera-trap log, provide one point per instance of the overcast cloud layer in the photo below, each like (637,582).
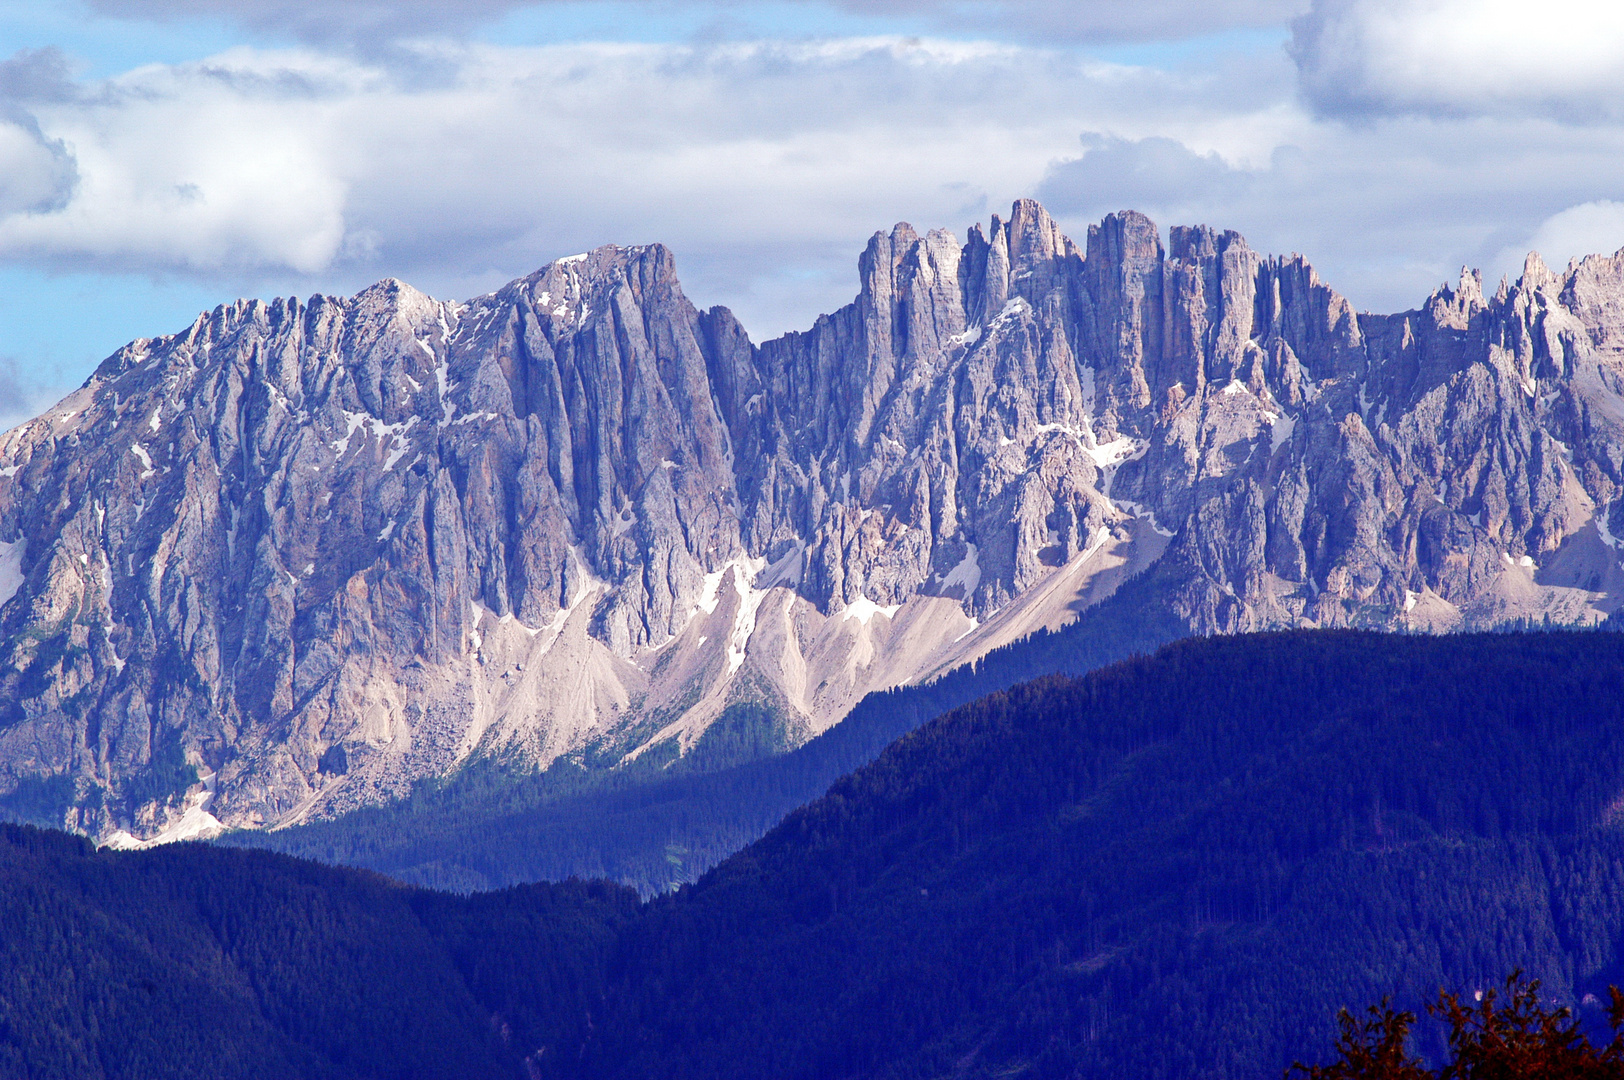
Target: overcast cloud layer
(1391,141)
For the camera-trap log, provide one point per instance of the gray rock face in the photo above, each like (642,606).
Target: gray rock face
(320,550)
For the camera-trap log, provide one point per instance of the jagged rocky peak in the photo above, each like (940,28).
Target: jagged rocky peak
(598,372)
(310,552)
(246,538)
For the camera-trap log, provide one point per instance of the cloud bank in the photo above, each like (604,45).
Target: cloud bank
(1589,228)
(744,157)
(1561,58)
(1390,143)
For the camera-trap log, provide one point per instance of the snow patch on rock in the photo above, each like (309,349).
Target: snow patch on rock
(863,610)
(147,471)
(11,569)
(1110,455)
(967,574)
(744,622)
(1280,429)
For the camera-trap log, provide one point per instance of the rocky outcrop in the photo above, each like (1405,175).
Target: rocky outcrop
(316,551)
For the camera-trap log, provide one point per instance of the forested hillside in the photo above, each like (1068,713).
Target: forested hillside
(1180,865)
(1177,866)
(661,821)
(191,960)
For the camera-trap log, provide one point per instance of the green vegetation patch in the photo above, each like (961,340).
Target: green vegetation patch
(39,800)
(166,777)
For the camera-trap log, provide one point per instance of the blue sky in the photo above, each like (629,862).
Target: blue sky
(160,156)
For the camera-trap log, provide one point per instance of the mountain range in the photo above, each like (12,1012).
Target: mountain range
(304,554)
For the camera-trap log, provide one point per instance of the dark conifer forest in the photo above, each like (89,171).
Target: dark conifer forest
(1181,865)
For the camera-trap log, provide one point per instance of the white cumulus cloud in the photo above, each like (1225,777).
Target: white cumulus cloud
(216,166)
(1559,58)
(479,162)
(1590,228)
(765,164)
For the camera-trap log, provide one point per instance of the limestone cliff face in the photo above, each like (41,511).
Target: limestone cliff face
(320,550)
